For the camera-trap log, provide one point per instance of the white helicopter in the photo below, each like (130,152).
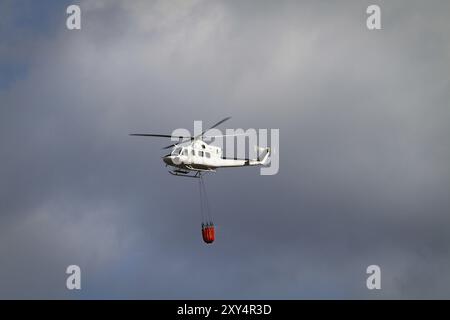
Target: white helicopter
(191,156)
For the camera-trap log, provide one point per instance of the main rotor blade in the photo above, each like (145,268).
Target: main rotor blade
(168,147)
(226,135)
(179,137)
(159,135)
(218,123)
(175,144)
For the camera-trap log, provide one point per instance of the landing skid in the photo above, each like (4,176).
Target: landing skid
(200,170)
(185,174)
(189,174)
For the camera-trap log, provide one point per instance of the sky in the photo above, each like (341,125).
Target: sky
(363,117)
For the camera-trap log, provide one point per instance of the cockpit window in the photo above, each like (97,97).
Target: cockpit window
(185,152)
(176,152)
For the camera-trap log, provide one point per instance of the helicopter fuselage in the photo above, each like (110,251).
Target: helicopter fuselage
(199,156)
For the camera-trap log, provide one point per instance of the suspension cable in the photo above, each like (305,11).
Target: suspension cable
(204,203)
(202,210)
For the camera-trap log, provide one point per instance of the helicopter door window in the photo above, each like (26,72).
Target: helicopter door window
(208,155)
(185,152)
(200,153)
(193,152)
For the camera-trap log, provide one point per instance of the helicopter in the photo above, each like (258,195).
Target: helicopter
(191,156)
